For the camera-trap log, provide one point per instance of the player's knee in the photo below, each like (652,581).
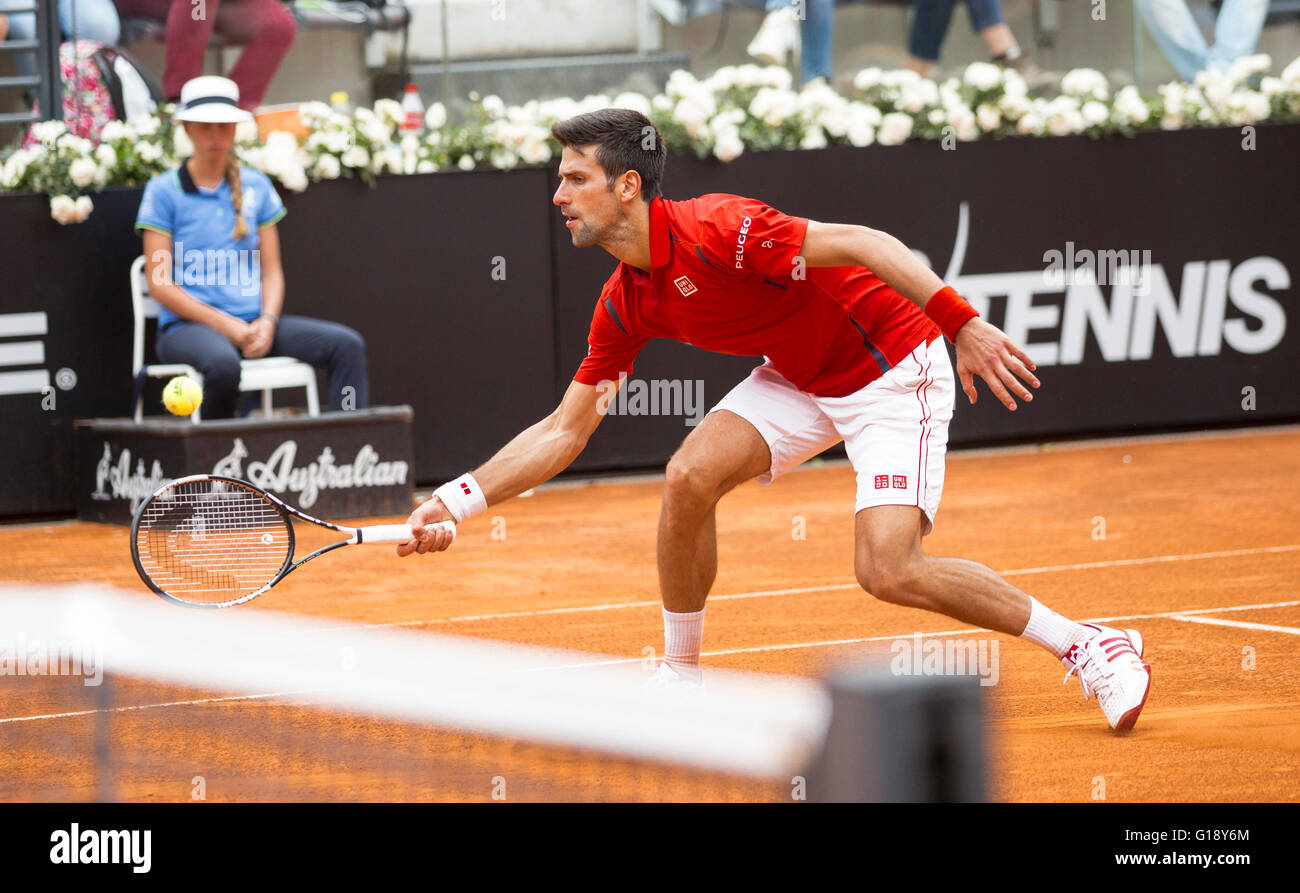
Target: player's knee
(889,581)
(221,375)
(687,485)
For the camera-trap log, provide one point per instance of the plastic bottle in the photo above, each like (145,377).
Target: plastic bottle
(339,102)
(412,111)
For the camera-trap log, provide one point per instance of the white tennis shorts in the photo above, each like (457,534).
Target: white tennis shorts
(895,429)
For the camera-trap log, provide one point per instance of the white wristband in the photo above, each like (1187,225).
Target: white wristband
(463,497)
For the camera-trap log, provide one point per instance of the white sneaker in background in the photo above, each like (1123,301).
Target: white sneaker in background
(673,683)
(777,37)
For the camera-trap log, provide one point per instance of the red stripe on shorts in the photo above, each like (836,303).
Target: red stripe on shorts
(923,448)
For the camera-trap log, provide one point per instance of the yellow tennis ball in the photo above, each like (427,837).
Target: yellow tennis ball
(182,395)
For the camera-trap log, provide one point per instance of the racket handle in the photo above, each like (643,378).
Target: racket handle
(397,533)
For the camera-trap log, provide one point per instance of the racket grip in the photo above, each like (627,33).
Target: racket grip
(397,533)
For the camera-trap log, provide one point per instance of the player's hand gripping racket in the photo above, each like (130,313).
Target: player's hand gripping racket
(213,542)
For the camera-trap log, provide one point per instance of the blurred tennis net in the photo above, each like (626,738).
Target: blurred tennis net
(109,696)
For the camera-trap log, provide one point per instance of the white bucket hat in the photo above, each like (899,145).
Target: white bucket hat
(211,99)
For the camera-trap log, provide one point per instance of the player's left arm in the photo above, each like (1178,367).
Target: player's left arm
(982,349)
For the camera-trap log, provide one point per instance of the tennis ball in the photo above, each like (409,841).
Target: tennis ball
(182,395)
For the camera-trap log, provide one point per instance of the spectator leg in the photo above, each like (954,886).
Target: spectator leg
(189,28)
(267,28)
(1237,31)
(930,19)
(1174,30)
(210,352)
(816,36)
(332,346)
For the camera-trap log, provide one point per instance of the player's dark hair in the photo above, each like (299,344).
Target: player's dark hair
(625,141)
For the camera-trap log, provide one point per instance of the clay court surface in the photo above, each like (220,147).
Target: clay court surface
(1201,553)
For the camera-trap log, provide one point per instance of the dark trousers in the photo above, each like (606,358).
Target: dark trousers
(324,344)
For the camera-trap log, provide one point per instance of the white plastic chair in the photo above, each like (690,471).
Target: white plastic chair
(264,374)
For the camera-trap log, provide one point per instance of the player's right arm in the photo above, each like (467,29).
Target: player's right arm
(534,456)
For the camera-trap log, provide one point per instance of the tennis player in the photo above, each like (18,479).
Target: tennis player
(849,323)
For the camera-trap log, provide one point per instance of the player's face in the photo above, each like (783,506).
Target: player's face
(212,140)
(591,209)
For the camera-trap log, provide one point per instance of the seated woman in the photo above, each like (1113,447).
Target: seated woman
(212,254)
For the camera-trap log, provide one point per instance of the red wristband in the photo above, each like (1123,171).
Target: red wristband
(949,310)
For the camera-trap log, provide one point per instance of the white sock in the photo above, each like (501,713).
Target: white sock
(1051,630)
(683,634)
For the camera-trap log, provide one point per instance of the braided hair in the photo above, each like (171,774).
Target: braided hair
(236,196)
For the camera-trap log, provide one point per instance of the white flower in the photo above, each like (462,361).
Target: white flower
(774,106)
(692,115)
(963,123)
(894,129)
(815,138)
(314,113)
(112,131)
(1013,84)
(680,82)
(327,168)
(1214,86)
(1291,74)
(466,163)
(336,141)
(82,172)
(1030,123)
(1095,113)
(435,116)
(1130,107)
(1064,121)
(937,117)
(982,75)
(1013,106)
(1272,86)
(47,132)
(914,97)
(861,132)
(494,106)
(246,132)
(988,117)
(147,125)
(536,150)
(82,208)
(502,158)
(867,78)
(105,155)
(293,178)
(635,101)
(1085,83)
(148,152)
(1246,67)
(63,209)
(425,167)
(374,130)
(728,145)
(389,112)
(356,157)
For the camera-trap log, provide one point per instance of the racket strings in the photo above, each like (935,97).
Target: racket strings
(212,542)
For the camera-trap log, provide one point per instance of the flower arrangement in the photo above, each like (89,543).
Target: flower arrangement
(734,110)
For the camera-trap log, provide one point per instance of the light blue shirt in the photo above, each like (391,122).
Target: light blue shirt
(206,261)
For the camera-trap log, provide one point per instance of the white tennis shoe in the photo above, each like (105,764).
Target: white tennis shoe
(1110,666)
(673,683)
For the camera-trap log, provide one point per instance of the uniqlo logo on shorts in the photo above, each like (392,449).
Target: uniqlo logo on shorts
(882,482)
(900,482)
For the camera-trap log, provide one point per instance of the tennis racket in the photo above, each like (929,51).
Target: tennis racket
(213,542)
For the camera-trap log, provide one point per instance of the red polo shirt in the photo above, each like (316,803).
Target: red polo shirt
(722,277)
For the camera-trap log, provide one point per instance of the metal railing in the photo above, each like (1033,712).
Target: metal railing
(47,83)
